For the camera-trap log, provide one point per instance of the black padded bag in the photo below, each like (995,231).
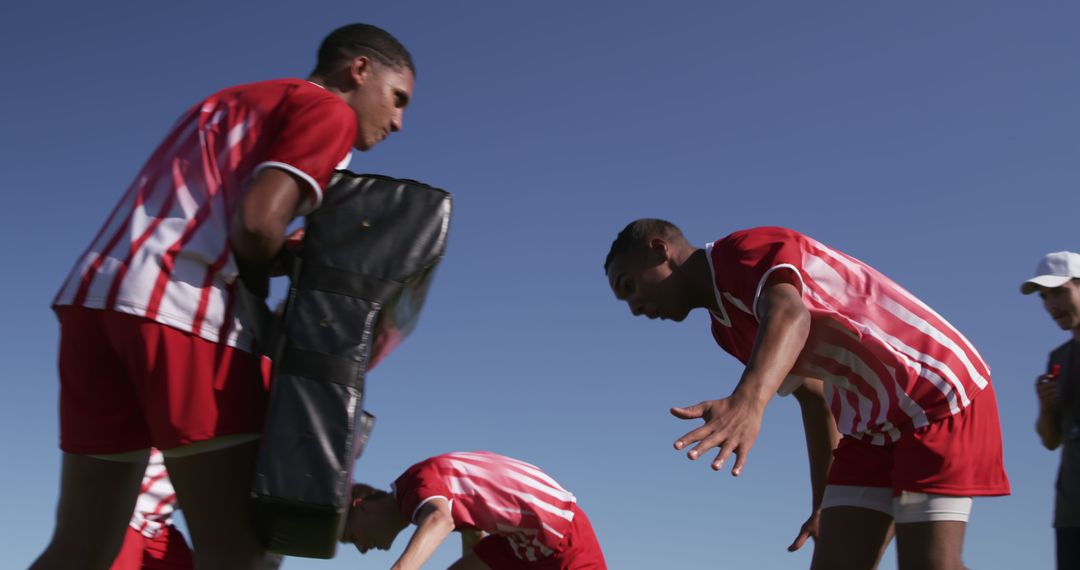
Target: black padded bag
(357,287)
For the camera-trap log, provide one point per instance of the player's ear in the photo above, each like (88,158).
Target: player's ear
(359,70)
(658,250)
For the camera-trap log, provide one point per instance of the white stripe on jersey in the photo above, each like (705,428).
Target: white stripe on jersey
(527,468)
(926,328)
(551,488)
(831,282)
(738,304)
(918,322)
(468,486)
(911,408)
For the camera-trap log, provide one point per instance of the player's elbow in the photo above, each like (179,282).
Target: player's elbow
(1049,441)
(1050,437)
(811,394)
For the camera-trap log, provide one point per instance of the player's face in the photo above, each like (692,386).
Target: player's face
(379,103)
(366,529)
(645,281)
(1063,304)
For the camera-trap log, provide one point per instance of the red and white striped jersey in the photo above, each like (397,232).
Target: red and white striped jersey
(164,251)
(887,359)
(495,494)
(157,499)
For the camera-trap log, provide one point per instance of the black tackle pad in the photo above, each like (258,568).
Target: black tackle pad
(357,287)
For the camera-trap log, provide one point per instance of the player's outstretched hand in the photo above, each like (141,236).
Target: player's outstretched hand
(731,424)
(809,530)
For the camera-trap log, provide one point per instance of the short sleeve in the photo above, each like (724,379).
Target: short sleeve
(746,260)
(312,135)
(418,485)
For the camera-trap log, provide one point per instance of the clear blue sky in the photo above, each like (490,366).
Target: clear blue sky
(935,141)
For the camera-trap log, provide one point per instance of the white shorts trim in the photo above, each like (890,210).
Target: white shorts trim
(874,498)
(210,445)
(924,507)
(908,507)
(137,456)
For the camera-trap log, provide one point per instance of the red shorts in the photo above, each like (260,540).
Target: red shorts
(579,550)
(958,456)
(166,551)
(129,383)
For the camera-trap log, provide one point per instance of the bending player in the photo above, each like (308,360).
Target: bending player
(152,540)
(911,396)
(510,514)
(152,350)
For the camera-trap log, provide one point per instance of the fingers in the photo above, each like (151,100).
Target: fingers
(699,434)
(689,412)
(1047,392)
(800,540)
(722,457)
(740,461)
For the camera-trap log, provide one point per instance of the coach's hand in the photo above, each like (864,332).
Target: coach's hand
(809,530)
(1047,390)
(732,424)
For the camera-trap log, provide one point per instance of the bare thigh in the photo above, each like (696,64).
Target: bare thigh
(852,538)
(97,498)
(930,545)
(213,489)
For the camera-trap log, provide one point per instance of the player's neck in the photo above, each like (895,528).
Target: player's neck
(699,280)
(327,83)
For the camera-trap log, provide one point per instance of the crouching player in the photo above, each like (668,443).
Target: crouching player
(911,396)
(510,515)
(152,540)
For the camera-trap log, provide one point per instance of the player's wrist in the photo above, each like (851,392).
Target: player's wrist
(752,394)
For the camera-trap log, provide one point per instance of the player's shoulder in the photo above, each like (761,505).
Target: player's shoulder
(763,233)
(273,91)
(1062,352)
(740,242)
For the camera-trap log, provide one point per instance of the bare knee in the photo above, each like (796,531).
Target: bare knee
(851,538)
(930,545)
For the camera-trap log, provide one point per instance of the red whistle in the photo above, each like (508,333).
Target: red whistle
(1053,374)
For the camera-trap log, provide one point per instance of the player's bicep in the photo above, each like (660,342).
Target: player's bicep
(430,507)
(779,298)
(272,193)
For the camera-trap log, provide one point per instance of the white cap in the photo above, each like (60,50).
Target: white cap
(1055,270)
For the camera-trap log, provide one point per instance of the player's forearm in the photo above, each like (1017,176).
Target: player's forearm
(432,531)
(1048,426)
(821,434)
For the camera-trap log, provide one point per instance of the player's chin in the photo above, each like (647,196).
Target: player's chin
(677,318)
(364,145)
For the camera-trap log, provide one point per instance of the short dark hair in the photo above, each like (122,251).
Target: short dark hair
(638,233)
(355,40)
(364,491)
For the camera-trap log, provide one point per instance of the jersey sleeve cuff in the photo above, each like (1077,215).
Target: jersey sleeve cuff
(310,203)
(450,502)
(765,278)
